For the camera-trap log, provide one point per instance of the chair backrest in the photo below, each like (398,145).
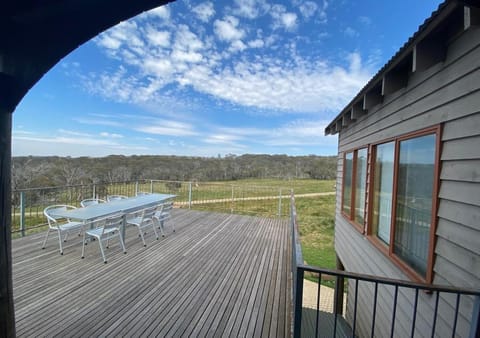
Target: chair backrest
(141,193)
(113,222)
(90,201)
(167,206)
(115,197)
(52,220)
(148,213)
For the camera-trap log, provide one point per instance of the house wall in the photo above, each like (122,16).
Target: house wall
(447,93)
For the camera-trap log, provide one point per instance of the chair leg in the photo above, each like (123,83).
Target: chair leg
(160,226)
(66,236)
(60,241)
(121,242)
(46,238)
(141,235)
(101,249)
(154,230)
(83,245)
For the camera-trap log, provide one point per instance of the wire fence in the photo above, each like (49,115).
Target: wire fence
(28,204)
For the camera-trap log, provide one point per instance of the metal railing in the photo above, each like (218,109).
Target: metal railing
(377,306)
(28,204)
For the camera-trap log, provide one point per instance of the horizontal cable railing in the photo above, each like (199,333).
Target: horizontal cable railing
(352,304)
(28,204)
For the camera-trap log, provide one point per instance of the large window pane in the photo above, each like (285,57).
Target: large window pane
(382,191)
(414,201)
(360,186)
(347,183)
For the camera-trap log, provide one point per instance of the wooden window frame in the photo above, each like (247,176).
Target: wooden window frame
(388,249)
(351,217)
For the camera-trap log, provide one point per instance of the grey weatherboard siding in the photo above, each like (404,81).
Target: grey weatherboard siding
(447,93)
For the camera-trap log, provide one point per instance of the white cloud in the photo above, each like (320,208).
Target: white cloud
(250,9)
(350,32)
(168,128)
(260,80)
(204,11)
(158,38)
(283,19)
(74,133)
(162,12)
(365,20)
(308,9)
(227,29)
(257,43)
(110,135)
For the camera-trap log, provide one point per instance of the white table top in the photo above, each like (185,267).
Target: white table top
(127,205)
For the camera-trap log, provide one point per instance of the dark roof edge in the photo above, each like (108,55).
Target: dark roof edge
(443,10)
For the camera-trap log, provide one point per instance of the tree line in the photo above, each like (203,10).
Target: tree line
(33,171)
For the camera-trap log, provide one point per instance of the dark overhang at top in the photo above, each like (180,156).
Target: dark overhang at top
(424,49)
(36,34)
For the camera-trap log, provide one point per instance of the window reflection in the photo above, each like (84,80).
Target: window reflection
(414,201)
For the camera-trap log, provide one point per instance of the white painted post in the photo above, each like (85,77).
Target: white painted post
(189,195)
(22,212)
(280,204)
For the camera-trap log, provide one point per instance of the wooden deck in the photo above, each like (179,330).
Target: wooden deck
(217,275)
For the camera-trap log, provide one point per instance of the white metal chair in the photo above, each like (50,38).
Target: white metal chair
(106,228)
(60,225)
(144,220)
(91,201)
(115,197)
(162,214)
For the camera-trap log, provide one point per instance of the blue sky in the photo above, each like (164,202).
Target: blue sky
(214,78)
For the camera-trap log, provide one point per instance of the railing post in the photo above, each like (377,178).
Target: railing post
(475,322)
(22,212)
(189,195)
(231,205)
(339,290)
(94,191)
(280,203)
(297,324)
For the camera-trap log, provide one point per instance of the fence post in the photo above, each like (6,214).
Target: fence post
(189,195)
(94,190)
(151,186)
(231,205)
(22,212)
(136,188)
(280,204)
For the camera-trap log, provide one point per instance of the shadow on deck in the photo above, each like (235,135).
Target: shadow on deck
(328,325)
(217,275)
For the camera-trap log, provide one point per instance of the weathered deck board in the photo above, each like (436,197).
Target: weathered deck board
(217,275)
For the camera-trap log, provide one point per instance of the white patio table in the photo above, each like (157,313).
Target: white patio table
(92,212)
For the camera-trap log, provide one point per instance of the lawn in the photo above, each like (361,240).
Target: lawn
(316,220)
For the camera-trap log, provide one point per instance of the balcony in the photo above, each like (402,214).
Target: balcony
(218,274)
(224,272)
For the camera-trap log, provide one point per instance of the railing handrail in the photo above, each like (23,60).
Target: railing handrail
(79,185)
(391,281)
(153,180)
